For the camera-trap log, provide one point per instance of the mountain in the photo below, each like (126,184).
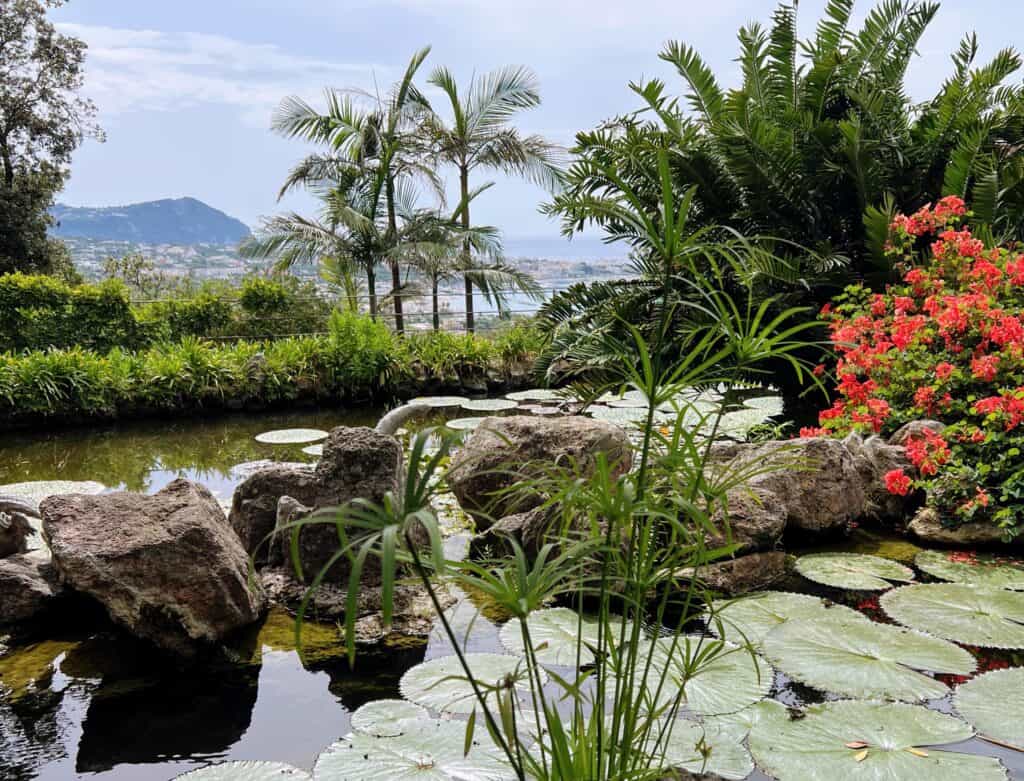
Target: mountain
(170,221)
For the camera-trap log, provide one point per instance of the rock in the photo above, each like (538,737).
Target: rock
(15,524)
(505,450)
(742,575)
(915,429)
(253,513)
(28,587)
(413,616)
(873,457)
(530,529)
(756,521)
(167,567)
(814,479)
(927,526)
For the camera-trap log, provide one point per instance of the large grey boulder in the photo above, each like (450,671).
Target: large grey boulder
(28,587)
(741,575)
(915,430)
(167,567)
(927,526)
(873,457)
(754,519)
(504,451)
(15,524)
(253,513)
(815,480)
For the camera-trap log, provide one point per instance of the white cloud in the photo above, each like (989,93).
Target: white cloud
(148,70)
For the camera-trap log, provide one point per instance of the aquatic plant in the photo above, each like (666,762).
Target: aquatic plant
(856,571)
(747,621)
(986,617)
(987,570)
(994,704)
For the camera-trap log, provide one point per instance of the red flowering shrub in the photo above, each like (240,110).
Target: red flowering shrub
(947,343)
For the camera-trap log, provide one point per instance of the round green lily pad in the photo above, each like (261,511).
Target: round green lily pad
(489,405)
(749,619)
(386,718)
(855,571)
(864,659)
(314,450)
(994,704)
(980,570)
(536,394)
(769,405)
(247,771)
(464,424)
(37,490)
(868,741)
(291,436)
(441,684)
(438,402)
(987,617)
(556,633)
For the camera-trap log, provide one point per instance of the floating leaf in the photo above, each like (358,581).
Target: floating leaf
(247,771)
(37,490)
(994,704)
(537,394)
(384,718)
(985,571)
(630,395)
(814,748)
(438,402)
(465,424)
(740,723)
(314,450)
(629,403)
(427,750)
(736,424)
(769,405)
(726,681)
(860,658)
(441,684)
(291,436)
(556,631)
(856,571)
(726,756)
(489,405)
(749,619)
(991,618)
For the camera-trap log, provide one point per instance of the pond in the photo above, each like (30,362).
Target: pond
(83,700)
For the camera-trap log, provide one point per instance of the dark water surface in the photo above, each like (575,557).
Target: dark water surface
(81,699)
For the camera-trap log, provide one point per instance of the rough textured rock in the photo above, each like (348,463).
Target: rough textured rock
(530,529)
(413,616)
(873,457)
(914,429)
(756,521)
(254,505)
(742,575)
(15,524)
(927,526)
(500,453)
(167,567)
(814,479)
(28,587)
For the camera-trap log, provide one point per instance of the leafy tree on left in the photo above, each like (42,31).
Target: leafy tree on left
(43,120)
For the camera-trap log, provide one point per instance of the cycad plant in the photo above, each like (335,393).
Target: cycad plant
(820,143)
(478,135)
(626,552)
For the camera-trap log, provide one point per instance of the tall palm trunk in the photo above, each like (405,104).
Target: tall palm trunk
(371,289)
(396,272)
(466,259)
(436,307)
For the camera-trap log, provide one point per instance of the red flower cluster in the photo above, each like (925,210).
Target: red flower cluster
(947,343)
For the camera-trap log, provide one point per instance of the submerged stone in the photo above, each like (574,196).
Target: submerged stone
(28,587)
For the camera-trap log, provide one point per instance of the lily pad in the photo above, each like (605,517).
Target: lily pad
(314,450)
(438,402)
(991,618)
(291,436)
(464,424)
(740,724)
(441,684)
(868,741)
(736,424)
(628,403)
(427,750)
(855,571)
(386,718)
(726,757)
(725,682)
(986,571)
(864,659)
(537,394)
(994,704)
(555,633)
(37,490)
(489,405)
(248,771)
(769,405)
(749,619)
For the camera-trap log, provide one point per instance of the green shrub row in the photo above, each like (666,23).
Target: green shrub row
(358,359)
(40,312)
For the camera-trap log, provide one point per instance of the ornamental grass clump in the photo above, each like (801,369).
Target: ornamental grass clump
(946,343)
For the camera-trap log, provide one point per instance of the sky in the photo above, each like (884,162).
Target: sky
(186,89)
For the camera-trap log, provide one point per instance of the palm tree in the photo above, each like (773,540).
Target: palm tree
(480,136)
(379,140)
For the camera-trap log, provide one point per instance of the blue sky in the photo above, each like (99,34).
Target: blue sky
(186,88)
